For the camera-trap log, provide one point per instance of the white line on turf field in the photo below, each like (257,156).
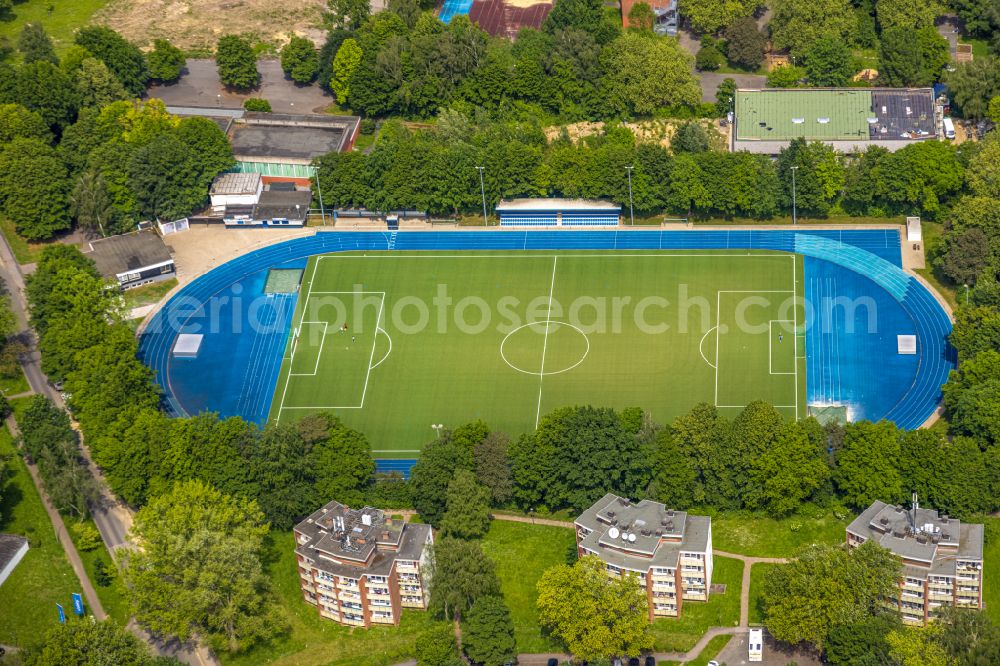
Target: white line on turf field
(545,342)
(701,344)
(389,351)
(319,354)
(288,377)
(378,324)
(770,344)
(597,254)
(795,338)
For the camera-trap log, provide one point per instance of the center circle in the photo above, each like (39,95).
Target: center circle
(545,347)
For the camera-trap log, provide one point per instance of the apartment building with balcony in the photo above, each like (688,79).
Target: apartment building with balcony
(942,557)
(359,567)
(669,551)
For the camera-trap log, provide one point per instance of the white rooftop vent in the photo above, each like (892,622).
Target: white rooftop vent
(613,533)
(631,538)
(823,121)
(366,519)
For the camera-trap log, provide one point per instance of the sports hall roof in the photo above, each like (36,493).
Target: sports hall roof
(834,114)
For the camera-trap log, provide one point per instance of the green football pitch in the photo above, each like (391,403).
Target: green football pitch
(396,344)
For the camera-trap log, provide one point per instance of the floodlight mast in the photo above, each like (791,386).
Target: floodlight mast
(795,219)
(631,212)
(482,188)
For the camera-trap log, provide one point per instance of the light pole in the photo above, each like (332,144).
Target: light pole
(631,213)
(437,428)
(322,211)
(795,219)
(482,188)
(966,294)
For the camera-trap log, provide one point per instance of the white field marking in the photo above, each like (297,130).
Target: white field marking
(545,342)
(539,255)
(371,357)
(702,343)
(718,315)
(770,344)
(389,337)
(288,378)
(744,406)
(378,324)
(795,339)
(539,323)
(395,450)
(319,354)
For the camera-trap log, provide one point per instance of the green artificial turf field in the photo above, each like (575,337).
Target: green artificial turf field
(444,338)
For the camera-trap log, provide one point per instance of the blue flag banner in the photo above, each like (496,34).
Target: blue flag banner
(62,613)
(78,603)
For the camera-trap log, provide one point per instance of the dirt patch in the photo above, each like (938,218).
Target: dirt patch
(659,131)
(196,25)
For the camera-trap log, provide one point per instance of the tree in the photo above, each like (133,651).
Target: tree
(967,254)
(908,14)
(432,474)
(968,636)
(90,203)
(164,185)
(343,463)
(345,63)
(166,61)
(123,58)
(785,76)
(797,24)
(85,641)
(973,84)
(237,63)
(348,14)
(488,633)
(828,62)
(102,575)
(820,175)
(641,17)
(861,642)
(33,188)
(96,86)
(493,467)
(788,471)
(35,45)
(41,86)
(708,17)
(745,43)
(824,587)
(593,615)
(18,122)
(437,647)
(916,646)
(867,464)
(462,573)
(300,60)
(468,508)
(585,15)
(725,97)
(690,137)
(709,58)
(87,536)
(199,569)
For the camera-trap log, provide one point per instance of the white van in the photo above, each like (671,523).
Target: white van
(949,129)
(756,646)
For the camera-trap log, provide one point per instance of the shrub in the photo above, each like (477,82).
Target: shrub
(87,536)
(257,104)
(709,58)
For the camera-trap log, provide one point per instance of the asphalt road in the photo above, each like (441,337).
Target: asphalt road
(112,517)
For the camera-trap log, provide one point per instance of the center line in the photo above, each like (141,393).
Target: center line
(545,341)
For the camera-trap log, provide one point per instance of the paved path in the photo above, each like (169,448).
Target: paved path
(89,593)
(748,562)
(112,517)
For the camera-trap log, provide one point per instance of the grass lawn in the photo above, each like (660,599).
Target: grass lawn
(18,405)
(44,577)
(522,553)
(933,241)
(24,252)
(721,610)
(980,47)
(314,640)
(149,294)
(758,573)
(710,652)
(991,562)
(14,385)
(60,24)
(112,597)
(521,317)
(768,537)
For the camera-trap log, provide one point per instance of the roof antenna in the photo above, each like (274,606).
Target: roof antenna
(913,517)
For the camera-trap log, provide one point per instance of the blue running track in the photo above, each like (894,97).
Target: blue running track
(453,8)
(858,300)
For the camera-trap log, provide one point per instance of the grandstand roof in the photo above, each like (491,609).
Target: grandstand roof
(554,205)
(834,114)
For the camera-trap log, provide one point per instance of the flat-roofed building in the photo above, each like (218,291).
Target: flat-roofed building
(133,259)
(669,551)
(555,212)
(942,557)
(849,119)
(359,567)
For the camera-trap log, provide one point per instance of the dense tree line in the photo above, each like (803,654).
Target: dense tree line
(434,170)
